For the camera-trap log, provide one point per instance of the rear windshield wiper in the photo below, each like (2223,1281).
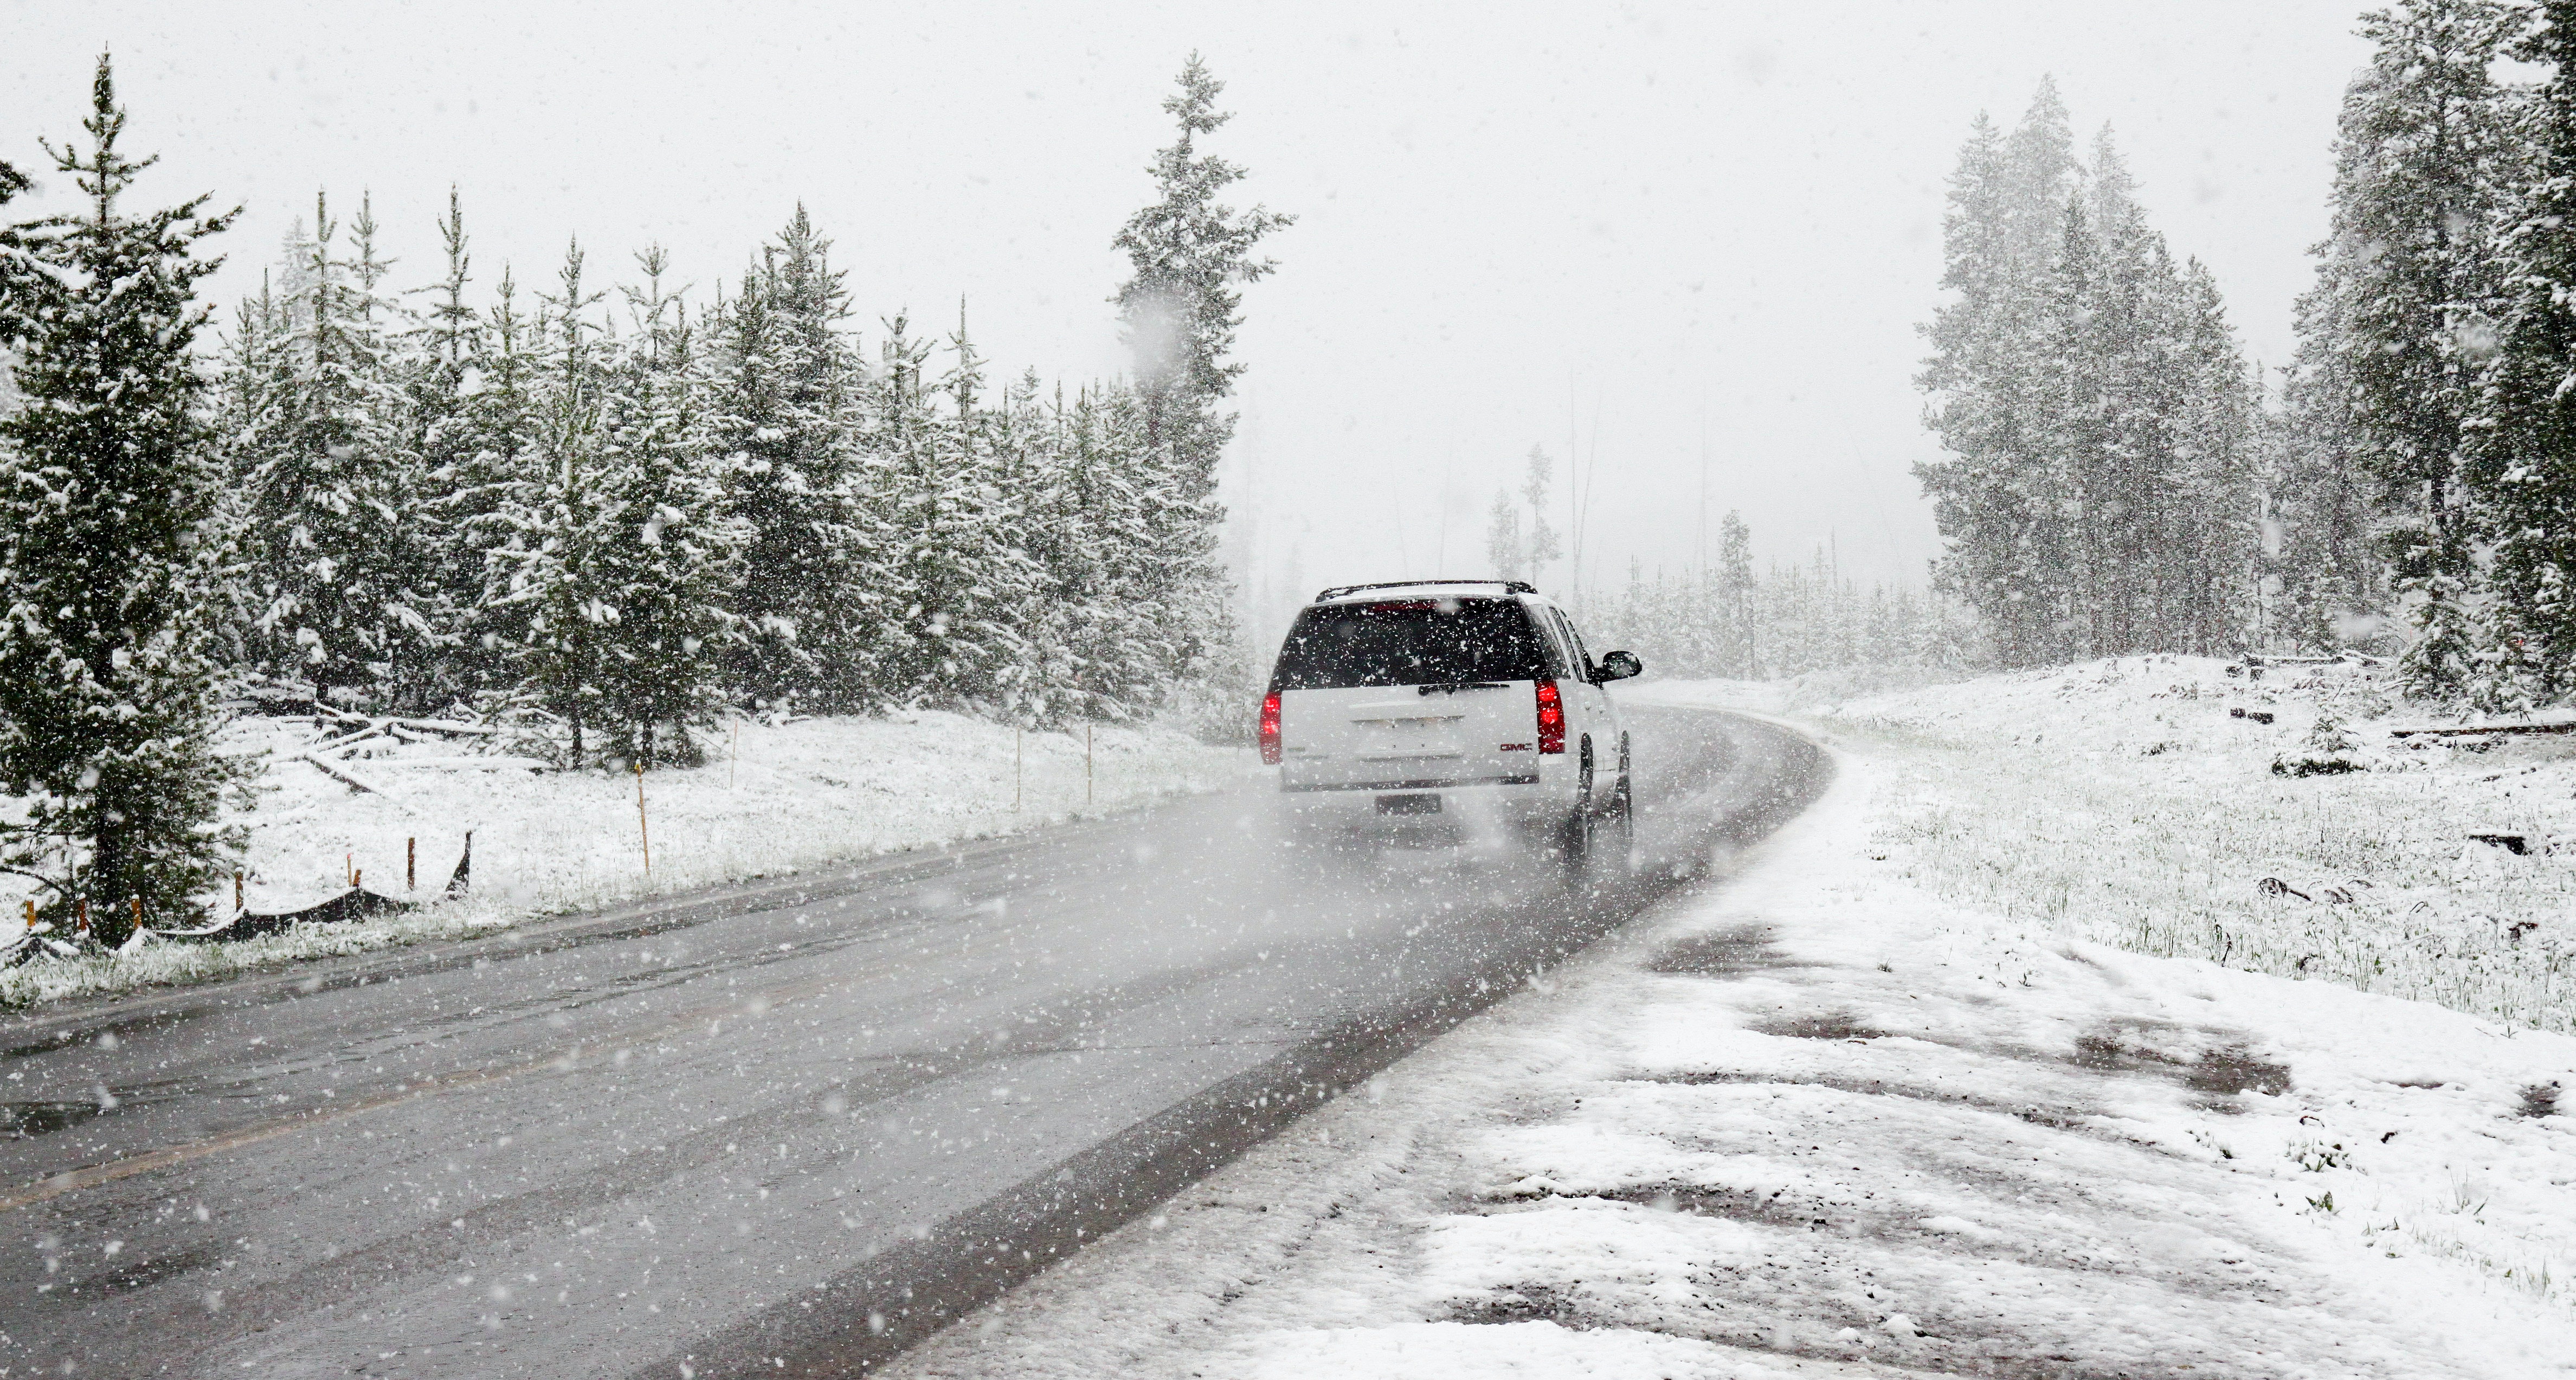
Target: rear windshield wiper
(1451,687)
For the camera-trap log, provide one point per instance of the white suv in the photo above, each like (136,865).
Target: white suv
(1458,711)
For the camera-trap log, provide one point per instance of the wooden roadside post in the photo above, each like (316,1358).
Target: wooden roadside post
(411,864)
(237,889)
(643,826)
(138,913)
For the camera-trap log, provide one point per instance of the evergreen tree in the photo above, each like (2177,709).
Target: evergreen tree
(333,483)
(1995,495)
(2321,515)
(1189,253)
(1542,545)
(12,264)
(466,461)
(491,467)
(1100,642)
(964,579)
(665,563)
(2523,456)
(1518,548)
(1506,547)
(2399,326)
(107,495)
(786,409)
(562,522)
(2096,495)
(1737,654)
(2211,536)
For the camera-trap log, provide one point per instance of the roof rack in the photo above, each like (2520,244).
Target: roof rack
(1337,591)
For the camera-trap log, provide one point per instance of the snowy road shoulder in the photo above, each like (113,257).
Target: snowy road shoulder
(772,800)
(1817,1122)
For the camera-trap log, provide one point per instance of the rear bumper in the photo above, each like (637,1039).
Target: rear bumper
(1428,784)
(1401,807)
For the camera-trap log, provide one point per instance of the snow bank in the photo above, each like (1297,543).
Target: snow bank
(2135,802)
(1822,1122)
(775,799)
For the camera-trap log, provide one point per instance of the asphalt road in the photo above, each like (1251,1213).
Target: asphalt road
(778,1130)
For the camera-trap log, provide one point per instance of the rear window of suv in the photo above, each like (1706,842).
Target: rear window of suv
(1409,642)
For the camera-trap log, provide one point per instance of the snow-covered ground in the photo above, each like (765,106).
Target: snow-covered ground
(2131,802)
(774,799)
(1943,1082)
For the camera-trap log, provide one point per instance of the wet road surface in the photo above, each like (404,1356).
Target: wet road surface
(783,1129)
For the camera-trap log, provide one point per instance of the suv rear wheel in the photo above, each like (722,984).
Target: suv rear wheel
(1579,836)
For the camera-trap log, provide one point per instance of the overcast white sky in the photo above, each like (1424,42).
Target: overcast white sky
(1519,223)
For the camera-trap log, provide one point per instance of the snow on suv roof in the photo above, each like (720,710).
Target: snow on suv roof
(1427,589)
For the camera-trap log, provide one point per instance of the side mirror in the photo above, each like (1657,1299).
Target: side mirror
(1618,666)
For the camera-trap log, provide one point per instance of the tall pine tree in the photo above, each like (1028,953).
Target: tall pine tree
(2522,460)
(1189,253)
(667,558)
(107,492)
(2397,331)
(786,412)
(334,482)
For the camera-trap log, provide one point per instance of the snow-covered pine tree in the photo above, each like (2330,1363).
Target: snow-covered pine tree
(2321,519)
(1189,254)
(561,522)
(2522,452)
(491,467)
(2210,538)
(1506,546)
(1029,465)
(787,410)
(1541,545)
(2057,486)
(2166,529)
(1100,646)
(959,557)
(664,563)
(108,701)
(441,377)
(2398,329)
(1739,652)
(980,586)
(1994,494)
(333,482)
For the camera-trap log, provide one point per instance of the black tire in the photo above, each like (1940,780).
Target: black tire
(1577,840)
(1579,836)
(1616,840)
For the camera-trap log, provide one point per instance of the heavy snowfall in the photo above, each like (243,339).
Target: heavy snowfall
(683,809)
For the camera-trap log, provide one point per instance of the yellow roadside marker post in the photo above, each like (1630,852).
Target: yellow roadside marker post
(643,826)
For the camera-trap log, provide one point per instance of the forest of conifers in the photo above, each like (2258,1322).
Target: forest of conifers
(2112,480)
(580,498)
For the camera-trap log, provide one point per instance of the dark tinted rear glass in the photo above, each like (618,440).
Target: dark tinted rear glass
(1409,642)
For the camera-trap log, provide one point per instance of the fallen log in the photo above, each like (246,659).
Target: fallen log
(445,726)
(341,775)
(2478,730)
(494,762)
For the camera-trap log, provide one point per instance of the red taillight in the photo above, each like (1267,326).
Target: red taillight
(1551,718)
(1270,730)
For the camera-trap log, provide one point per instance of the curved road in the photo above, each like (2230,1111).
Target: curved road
(778,1130)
